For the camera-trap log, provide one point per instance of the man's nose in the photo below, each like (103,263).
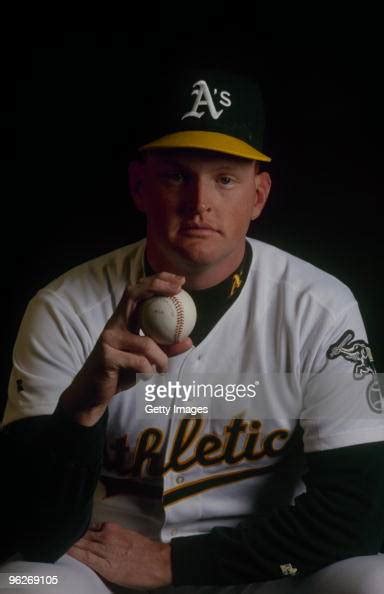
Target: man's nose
(199,198)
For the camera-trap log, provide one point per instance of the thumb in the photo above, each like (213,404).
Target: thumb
(177,348)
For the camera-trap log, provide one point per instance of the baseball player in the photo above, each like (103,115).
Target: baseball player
(277,485)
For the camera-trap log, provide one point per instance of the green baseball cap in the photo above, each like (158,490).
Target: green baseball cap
(206,109)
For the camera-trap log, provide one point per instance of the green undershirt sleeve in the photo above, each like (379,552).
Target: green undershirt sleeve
(50,470)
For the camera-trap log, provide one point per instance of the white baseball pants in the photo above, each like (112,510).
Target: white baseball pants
(358,575)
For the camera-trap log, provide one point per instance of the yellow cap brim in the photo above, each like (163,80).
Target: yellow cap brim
(212,141)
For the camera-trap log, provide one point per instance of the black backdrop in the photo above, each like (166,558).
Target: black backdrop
(66,147)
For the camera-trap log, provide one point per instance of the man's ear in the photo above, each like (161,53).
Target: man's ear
(136,174)
(263,184)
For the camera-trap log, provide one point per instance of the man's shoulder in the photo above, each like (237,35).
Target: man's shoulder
(97,279)
(283,271)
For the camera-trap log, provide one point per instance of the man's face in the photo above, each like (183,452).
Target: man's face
(198,206)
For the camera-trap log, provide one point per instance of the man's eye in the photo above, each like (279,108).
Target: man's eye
(174,176)
(225,180)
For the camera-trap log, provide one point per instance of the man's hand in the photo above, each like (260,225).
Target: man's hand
(120,353)
(124,557)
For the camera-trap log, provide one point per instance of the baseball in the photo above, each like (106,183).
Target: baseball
(168,319)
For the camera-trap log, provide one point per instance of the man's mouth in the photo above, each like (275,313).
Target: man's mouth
(198,229)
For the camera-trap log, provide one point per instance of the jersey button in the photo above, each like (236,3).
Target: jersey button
(180,479)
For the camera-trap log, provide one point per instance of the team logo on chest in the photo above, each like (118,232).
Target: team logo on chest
(205,99)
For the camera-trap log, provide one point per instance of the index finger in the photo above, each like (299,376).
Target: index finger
(163,283)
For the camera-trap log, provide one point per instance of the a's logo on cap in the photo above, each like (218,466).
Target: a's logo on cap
(204,97)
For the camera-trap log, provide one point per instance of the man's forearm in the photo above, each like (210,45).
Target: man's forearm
(71,402)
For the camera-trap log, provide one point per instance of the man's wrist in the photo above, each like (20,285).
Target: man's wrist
(165,565)
(86,417)
(89,418)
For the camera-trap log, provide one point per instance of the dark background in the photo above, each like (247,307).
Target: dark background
(70,110)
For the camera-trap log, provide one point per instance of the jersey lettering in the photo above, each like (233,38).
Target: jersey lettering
(241,440)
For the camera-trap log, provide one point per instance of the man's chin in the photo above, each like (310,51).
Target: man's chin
(198,256)
(200,262)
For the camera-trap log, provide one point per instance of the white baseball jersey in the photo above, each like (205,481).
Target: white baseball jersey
(295,333)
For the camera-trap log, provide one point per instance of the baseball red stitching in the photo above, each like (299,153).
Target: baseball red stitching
(179,317)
